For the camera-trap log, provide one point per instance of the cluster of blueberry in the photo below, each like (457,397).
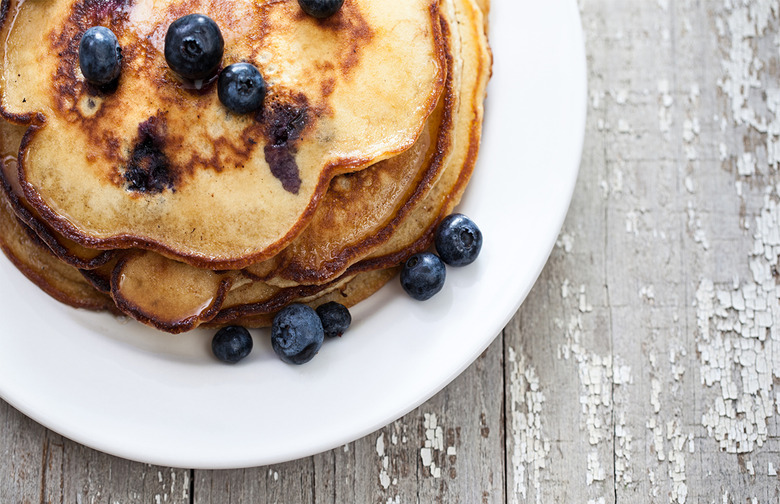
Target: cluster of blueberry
(458,241)
(193,49)
(297,333)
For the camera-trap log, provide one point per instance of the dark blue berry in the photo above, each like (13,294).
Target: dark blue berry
(335,318)
(297,334)
(231,344)
(458,240)
(320,8)
(241,88)
(100,56)
(194,46)
(423,275)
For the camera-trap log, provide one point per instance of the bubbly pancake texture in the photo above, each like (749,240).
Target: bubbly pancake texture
(153,163)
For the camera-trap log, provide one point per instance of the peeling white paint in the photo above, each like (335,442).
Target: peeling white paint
(623,437)
(695,227)
(434,443)
(669,443)
(739,342)
(596,471)
(384,477)
(665,103)
(598,376)
(565,241)
(584,306)
(723,150)
(689,185)
(530,448)
(676,457)
(746,164)
(647,293)
(620,96)
(745,22)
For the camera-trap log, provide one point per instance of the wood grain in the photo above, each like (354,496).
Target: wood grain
(644,365)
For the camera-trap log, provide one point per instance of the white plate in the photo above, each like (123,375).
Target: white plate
(130,391)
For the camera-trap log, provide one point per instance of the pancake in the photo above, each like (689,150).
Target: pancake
(39,265)
(67,250)
(356,214)
(261,314)
(314,259)
(175,297)
(339,211)
(154,290)
(366,223)
(471,73)
(225,190)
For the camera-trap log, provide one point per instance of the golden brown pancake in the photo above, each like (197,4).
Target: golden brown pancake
(67,250)
(484,6)
(37,263)
(261,314)
(152,289)
(366,224)
(356,215)
(161,292)
(223,190)
(471,73)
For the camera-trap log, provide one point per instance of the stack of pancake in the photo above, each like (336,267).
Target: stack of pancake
(149,198)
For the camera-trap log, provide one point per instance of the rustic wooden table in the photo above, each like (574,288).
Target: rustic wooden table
(645,364)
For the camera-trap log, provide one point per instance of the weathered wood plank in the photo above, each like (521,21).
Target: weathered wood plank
(21,466)
(39,466)
(676,257)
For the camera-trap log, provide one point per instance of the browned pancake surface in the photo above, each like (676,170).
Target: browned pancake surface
(175,296)
(156,165)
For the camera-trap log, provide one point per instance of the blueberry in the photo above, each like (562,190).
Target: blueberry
(458,240)
(320,8)
(194,46)
(297,334)
(100,56)
(231,344)
(423,275)
(335,318)
(241,88)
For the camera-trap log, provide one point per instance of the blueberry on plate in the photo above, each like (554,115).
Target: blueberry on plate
(335,318)
(241,88)
(231,344)
(458,240)
(423,275)
(194,46)
(320,8)
(100,56)
(297,333)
